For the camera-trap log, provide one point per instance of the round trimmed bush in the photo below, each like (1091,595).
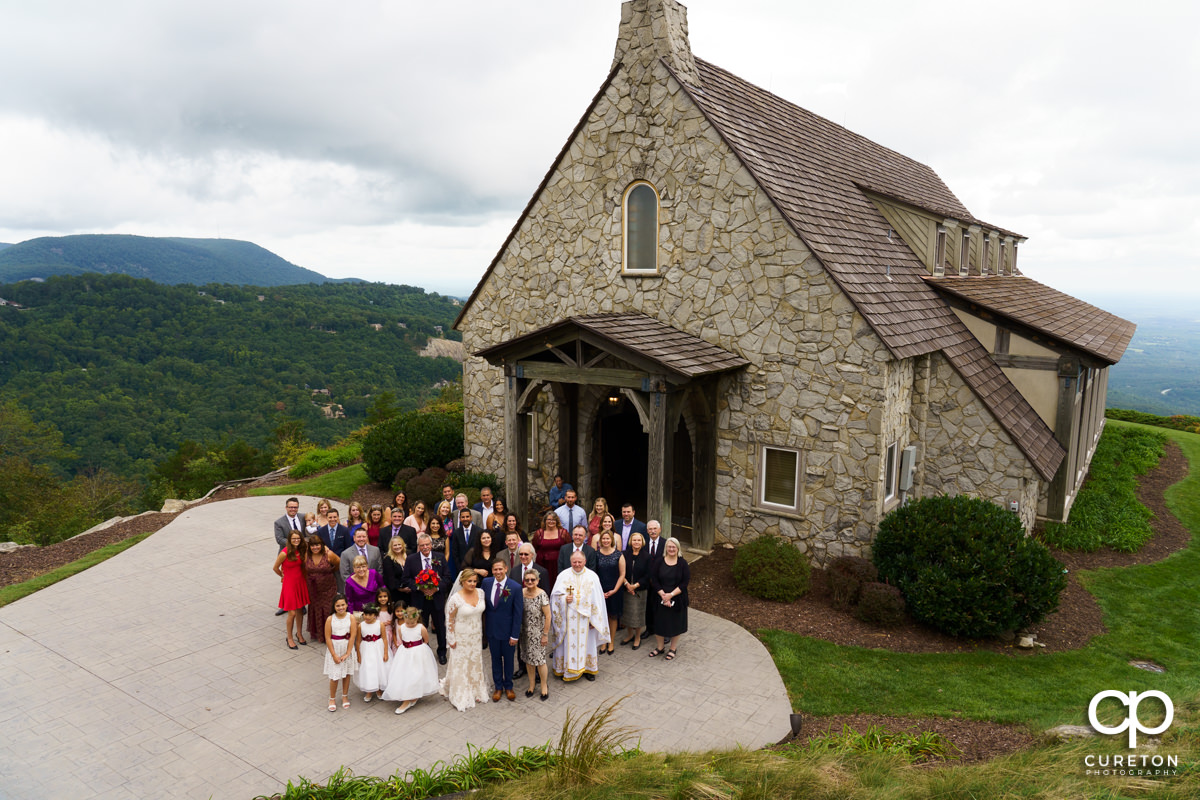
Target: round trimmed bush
(880,604)
(404,476)
(414,439)
(771,568)
(966,567)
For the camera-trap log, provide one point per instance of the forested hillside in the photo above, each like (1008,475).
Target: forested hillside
(165,260)
(128,370)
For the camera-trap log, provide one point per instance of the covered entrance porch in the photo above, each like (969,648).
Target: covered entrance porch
(636,403)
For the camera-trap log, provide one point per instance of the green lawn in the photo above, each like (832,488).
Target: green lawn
(1151,611)
(339,484)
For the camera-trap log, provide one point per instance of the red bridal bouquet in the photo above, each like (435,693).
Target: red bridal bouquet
(428,581)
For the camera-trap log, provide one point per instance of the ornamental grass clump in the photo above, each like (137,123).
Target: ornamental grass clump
(966,567)
(771,568)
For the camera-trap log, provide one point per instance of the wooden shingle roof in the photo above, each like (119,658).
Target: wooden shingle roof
(1048,311)
(816,171)
(638,335)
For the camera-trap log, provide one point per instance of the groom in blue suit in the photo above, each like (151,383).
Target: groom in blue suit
(504,609)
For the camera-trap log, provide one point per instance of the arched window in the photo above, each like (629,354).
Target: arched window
(641,229)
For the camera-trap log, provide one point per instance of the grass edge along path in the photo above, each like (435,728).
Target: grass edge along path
(14,592)
(1150,611)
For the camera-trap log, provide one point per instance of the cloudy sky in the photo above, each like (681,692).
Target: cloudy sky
(398,141)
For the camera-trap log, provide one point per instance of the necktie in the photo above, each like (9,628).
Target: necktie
(426,562)
(652,543)
(295,525)
(496,594)
(362,552)
(512,562)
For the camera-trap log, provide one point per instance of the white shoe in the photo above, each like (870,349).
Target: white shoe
(400,709)
(367,697)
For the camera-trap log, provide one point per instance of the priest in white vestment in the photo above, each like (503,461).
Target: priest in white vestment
(580,621)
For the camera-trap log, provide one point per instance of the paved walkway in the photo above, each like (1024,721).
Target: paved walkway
(163,673)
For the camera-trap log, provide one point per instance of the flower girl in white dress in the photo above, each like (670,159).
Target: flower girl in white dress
(373,653)
(413,671)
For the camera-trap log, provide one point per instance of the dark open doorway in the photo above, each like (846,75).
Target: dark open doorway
(681,485)
(622,455)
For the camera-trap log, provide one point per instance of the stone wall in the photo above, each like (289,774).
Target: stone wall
(968,452)
(735,274)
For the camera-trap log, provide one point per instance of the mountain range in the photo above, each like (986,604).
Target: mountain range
(160,259)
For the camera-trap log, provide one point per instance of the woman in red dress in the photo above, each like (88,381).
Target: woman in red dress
(293,597)
(548,539)
(374,523)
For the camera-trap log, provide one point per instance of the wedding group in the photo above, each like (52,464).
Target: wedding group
(396,592)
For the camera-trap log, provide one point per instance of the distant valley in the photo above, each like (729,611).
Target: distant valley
(1160,373)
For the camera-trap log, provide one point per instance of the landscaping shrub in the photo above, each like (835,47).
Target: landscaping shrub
(315,461)
(846,576)
(966,567)
(414,439)
(476,480)
(457,465)
(771,568)
(880,604)
(426,487)
(404,476)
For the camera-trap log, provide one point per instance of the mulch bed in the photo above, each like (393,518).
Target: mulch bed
(1077,620)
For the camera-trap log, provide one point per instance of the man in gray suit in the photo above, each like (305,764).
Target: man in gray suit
(288,522)
(360,548)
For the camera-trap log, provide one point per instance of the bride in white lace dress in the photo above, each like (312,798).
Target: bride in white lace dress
(465,683)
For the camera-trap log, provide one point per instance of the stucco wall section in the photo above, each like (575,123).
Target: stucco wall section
(967,452)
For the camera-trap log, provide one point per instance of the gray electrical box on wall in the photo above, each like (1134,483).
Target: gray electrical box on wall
(907,459)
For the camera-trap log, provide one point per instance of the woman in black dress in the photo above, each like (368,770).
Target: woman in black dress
(637,588)
(669,577)
(610,567)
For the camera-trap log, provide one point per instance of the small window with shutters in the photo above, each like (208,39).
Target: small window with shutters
(779,479)
(640,230)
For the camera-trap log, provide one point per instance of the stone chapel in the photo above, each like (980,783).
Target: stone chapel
(742,318)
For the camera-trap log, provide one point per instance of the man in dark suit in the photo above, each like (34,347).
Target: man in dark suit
(527,553)
(628,524)
(504,608)
(485,507)
(335,535)
(578,542)
(465,537)
(406,532)
(654,539)
(285,525)
(433,604)
(360,547)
